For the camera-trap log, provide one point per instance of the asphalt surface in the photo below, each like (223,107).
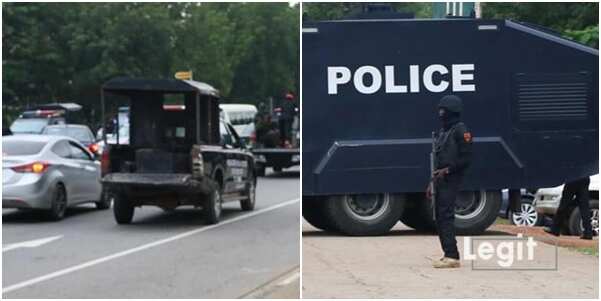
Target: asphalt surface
(161,255)
(398,265)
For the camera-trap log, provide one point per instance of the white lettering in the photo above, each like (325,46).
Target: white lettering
(459,76)
(334,79)
(429,80)
(414,78)
(391,87)
(359,77)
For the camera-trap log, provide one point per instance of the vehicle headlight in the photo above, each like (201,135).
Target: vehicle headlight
(296,158)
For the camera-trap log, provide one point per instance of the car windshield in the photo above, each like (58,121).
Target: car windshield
(77,133)
(21,148)
(28,126)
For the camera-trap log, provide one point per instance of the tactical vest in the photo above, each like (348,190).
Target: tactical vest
(447,149)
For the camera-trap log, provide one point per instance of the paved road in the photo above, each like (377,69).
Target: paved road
(398,265)
(162,255)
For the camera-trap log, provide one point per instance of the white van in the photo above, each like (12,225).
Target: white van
(242,117)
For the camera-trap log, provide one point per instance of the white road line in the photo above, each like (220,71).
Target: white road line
(140,248)
(289,279)
(30,243)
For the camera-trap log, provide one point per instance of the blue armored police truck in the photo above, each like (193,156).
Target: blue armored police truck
(370,94)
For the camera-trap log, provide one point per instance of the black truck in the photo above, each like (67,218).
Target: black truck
(370,93)
(173,157)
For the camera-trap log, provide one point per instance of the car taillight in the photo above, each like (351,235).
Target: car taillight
(35,167)
(105,163)
(94,148)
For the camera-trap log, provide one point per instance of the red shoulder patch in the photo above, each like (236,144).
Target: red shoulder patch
(467,136)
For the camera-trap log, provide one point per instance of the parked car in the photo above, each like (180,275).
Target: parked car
(527,217)
(49,173)
(34,121)
(242,118)
(176,155)
(546,202)
(79,132)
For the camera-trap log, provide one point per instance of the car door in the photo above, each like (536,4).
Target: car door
(70,170)
(236,161)
(88,171)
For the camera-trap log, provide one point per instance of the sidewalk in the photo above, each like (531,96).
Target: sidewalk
(398,266)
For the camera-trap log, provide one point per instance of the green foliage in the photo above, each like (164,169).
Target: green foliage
(65,51)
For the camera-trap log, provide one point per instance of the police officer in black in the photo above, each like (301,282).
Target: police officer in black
(452,156)
(574,191)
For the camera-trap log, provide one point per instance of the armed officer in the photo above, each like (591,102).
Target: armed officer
(574,191)
(452,157)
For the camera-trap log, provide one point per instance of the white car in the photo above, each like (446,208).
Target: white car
(242,117)
(546,202)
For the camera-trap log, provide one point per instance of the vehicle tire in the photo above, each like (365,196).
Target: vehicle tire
(248,204)
(105,200)
(122,209)
(260,171)
(475,211)
(314,214)
(213,206)
(575,221)
(528,217)
(58,205)
(363,214)
(413,216)
(277,169)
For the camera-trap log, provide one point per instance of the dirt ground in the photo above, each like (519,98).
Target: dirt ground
(398,265)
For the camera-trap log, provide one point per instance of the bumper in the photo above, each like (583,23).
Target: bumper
(30,192)
(546,207)
(148,183)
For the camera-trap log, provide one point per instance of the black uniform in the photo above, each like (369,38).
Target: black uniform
(578,189)
(453,151)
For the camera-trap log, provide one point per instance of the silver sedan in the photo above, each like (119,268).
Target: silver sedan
(49,173)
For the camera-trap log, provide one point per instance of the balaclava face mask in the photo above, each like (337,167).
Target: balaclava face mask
(448,118)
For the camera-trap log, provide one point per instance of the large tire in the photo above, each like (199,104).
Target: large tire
(248,204)
(213,206)
(58,205)
(366,214)
(575,221)
(314,214)
(473,213)
(528,217)
(123,210)
(105,200)
(414,216)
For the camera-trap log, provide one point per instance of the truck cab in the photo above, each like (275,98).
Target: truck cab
(178,151)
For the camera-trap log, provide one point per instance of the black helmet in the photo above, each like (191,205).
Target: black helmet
(452,103)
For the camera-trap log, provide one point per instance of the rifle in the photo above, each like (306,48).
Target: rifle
(432,169)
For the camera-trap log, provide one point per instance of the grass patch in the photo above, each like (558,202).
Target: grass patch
(502,221)
(587,251)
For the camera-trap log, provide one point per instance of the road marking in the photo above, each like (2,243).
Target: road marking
(31,243)
(140,248)
(290,279)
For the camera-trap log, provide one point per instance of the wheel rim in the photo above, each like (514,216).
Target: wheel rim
(594,222)
(527,217)
(60,201)
(470,204)
(217,205)
(367,206)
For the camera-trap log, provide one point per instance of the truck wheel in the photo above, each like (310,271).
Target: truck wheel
(413,217)
(475,211)
(122,209)
(58,205)
(314,214)
(213,206)
(575,222)
(249,203)
(277,169)
(363,214)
